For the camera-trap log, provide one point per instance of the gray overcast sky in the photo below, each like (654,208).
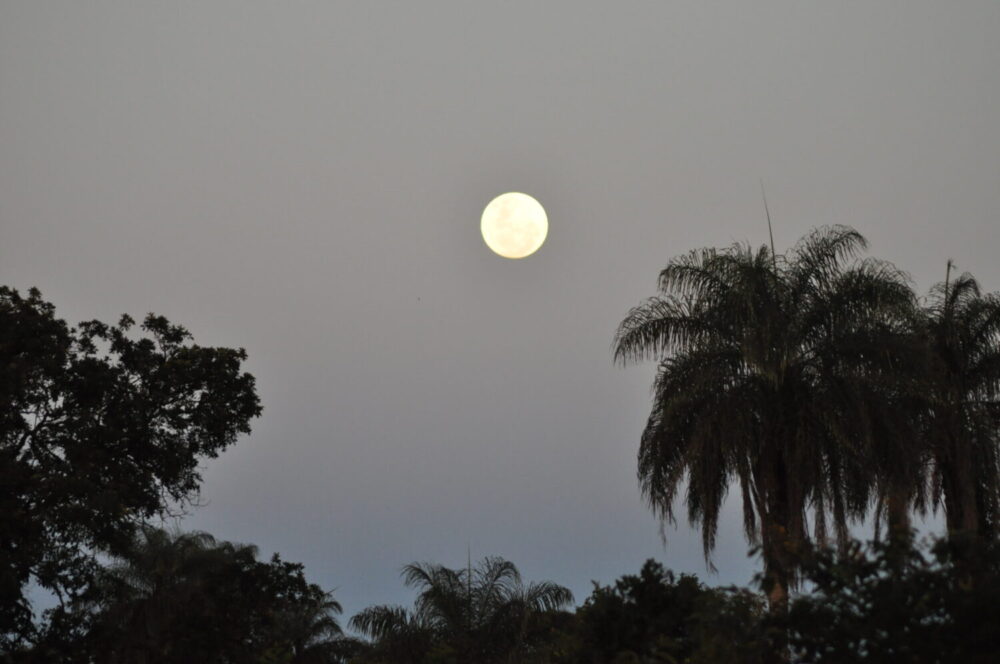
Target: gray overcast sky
(305,179)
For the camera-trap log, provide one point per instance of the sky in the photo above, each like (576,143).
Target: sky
(305,180)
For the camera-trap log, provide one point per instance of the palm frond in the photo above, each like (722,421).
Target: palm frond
(378,622)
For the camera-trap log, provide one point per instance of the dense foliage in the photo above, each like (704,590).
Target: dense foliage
(894,602)
(177,598)
(658,617)
(100,429)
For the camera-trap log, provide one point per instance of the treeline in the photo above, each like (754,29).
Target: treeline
(816,381)
(184,597)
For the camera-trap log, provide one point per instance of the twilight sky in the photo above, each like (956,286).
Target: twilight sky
(305,179)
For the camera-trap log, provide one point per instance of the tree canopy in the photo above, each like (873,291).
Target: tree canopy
(101,427)
(174,597)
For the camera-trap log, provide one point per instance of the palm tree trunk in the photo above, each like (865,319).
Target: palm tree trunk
(898,512)
(777,578)
(777,596)
(958,486)
(960,508)
(775,522)
(776,572)
(772,510)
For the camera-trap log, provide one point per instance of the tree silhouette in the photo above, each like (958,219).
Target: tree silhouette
(147,596)
(481,614)
(100,429)
(892,602)
(184,597)
(962,427)
(656,616)
(765,364)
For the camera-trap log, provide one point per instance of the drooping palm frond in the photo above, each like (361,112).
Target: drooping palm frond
(545,596)
(493,583)
(658,326)
(823,251)
(379,622)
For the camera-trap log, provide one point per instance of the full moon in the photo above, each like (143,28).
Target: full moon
(514,225)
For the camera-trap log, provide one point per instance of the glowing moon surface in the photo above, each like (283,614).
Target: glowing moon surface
(514,225)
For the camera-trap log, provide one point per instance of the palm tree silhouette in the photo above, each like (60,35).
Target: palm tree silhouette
(144,592)
(480,614)
(765,364)
(312,633)
(181,597)
(964,336)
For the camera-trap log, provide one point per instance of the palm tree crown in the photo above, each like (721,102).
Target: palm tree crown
(480,614)
(764,363)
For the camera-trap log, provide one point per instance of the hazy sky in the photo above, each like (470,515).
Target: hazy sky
(305,179)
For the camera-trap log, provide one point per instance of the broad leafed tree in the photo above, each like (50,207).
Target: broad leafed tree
(101,427)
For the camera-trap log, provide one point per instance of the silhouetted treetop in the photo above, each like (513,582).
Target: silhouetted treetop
(768,365)
(101,427)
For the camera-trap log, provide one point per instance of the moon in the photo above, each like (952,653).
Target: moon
(514,225)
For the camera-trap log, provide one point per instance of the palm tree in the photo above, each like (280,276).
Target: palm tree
(766,365)
(145,594)
(313,633)
(964,336)
(181,597)
(398,635)
(481,614)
